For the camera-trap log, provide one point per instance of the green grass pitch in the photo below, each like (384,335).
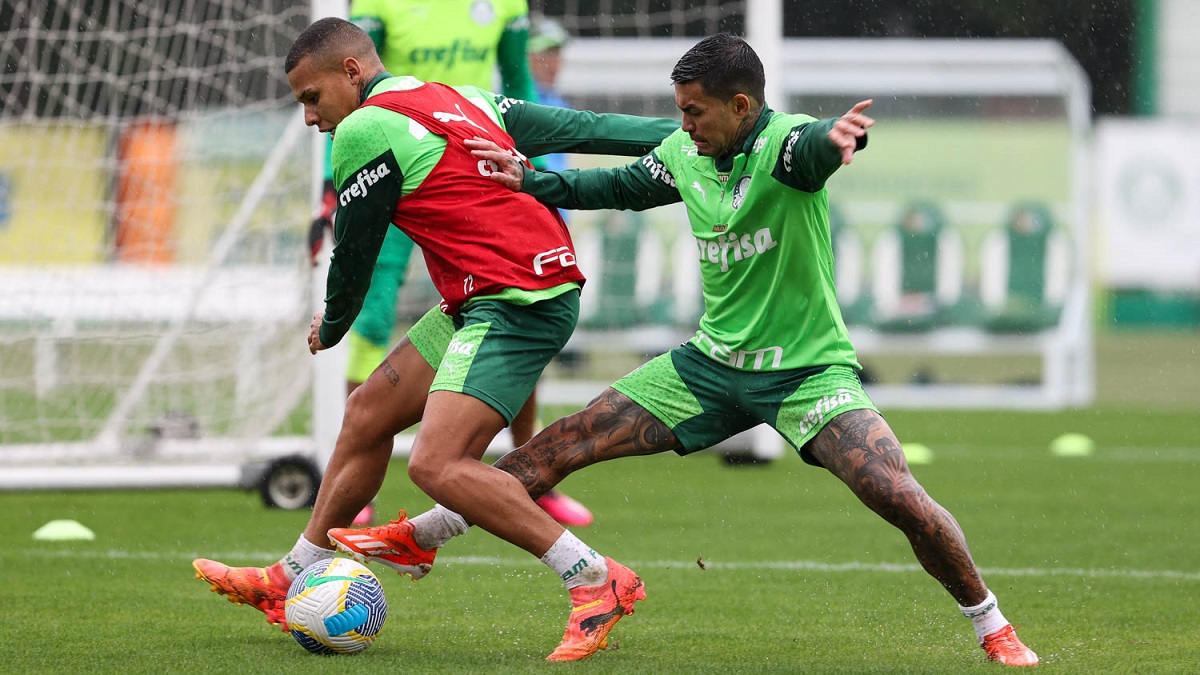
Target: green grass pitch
(756,569)
(1095,558)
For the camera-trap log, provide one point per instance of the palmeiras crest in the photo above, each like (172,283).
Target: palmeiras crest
(739,192)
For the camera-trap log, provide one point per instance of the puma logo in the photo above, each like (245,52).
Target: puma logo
(460,117)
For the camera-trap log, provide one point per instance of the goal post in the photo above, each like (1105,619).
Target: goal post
(152,243)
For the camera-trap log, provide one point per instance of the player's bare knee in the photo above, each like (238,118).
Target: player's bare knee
(358,411)
(370,424)
(900,500)
(424,474)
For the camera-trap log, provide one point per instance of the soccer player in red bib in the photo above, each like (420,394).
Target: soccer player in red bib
(505,266)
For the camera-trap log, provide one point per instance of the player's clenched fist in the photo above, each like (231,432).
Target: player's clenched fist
(314,333)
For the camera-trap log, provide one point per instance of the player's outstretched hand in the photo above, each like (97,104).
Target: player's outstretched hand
(849,128)
(504,167)
(314,333)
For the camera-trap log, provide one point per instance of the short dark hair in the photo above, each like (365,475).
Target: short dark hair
(724,65)
(328,36)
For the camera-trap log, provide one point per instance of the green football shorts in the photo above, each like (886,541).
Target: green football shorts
(431,334)
(705,402)
(499,349)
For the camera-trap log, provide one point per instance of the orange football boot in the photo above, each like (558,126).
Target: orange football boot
(264,588)
(1003,646)
(595,610)
(392,545)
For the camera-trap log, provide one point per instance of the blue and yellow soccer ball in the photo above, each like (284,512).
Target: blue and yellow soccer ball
(335,606)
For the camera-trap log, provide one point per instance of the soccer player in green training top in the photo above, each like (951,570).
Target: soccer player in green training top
(505,267)
(455,42)
(771,347)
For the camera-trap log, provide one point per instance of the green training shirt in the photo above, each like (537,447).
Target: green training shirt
(372,136)
(452,41)
(760,219)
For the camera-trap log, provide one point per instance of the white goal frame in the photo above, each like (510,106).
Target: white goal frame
(254,295)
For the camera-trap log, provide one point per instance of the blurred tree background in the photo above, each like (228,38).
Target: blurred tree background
(1099,33)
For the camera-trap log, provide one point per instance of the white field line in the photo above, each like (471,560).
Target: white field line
(784,565)
(1135,454)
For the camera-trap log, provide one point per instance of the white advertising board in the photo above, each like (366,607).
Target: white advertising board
(1147,190)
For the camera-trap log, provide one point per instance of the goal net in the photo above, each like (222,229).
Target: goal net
(154,198)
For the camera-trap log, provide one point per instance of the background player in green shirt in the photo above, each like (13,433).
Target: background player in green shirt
(456,42)
(771,346)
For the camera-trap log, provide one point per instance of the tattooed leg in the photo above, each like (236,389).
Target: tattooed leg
(860,449)
(611,426)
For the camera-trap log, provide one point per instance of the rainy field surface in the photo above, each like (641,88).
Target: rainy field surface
(748,569)
(752,569)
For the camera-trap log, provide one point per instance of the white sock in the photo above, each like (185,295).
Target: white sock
(437,526)
(303,554)
(985,617)
(575,562)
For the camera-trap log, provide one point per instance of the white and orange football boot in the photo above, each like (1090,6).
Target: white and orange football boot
(392,545)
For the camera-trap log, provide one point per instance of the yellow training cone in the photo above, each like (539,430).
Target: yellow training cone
(1072,445)
(63,530)
(917,453)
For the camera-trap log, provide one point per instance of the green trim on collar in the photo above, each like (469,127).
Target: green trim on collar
(372,84)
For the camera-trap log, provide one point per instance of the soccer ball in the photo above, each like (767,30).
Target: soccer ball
(335,606)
